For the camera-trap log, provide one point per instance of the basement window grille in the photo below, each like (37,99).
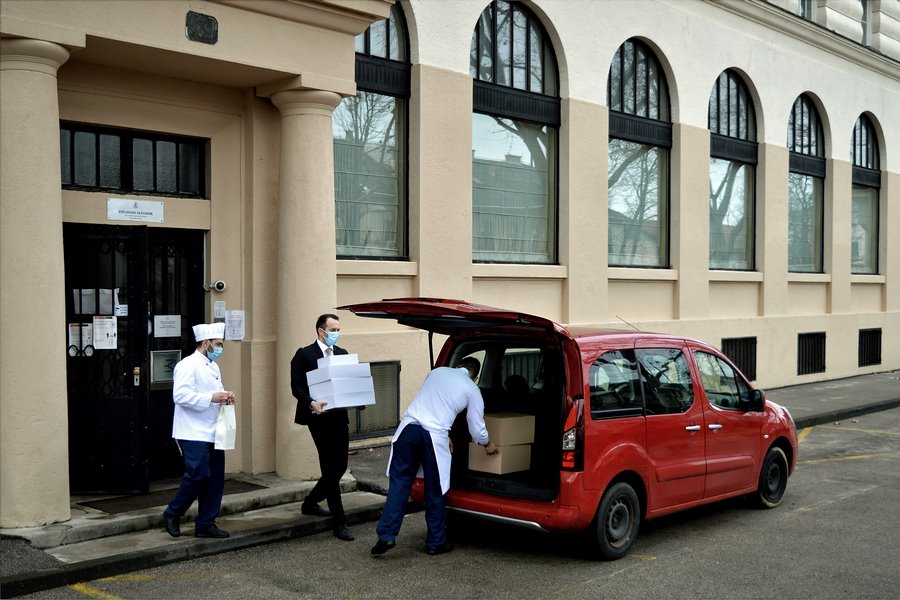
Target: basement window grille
(742,352)
(811,353)
(869,347)
(384,416)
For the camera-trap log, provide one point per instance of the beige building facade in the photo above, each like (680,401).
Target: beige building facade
(252,86)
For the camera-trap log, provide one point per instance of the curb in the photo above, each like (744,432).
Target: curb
(44,579)
(846,413)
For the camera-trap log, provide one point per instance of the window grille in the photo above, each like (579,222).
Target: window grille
(742,352)
(810,353)
(869,347)
(132,162)
(382,418)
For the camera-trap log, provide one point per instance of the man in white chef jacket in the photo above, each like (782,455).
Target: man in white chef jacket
(423,439)
(198,392)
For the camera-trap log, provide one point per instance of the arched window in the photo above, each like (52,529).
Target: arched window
(866,183)
(806,187)
(732,173)
(514,137)
(640,136)
(370,156)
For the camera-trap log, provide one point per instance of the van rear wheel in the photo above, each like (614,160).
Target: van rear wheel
(617,523)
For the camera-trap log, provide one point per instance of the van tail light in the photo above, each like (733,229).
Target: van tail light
(573,438)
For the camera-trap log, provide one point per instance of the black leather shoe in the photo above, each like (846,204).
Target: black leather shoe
(314,510)
(342,533)
(381,547)
(173,525)
(211,532)
(442,549)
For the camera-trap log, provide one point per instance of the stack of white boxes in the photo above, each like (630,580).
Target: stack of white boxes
(341,381)
(513,434)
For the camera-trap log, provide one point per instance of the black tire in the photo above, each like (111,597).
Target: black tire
(772,478)
(618,520)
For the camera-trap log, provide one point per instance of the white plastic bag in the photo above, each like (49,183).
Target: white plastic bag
(226,427)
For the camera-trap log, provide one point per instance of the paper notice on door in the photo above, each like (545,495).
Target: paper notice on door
(166,326)
(119,310)
(85,301)
(106,333)
(87,335)
(234,324)
(75,336)
(106,302)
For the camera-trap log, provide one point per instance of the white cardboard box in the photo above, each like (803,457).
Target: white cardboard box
(510,459)
(345,392)
(338,372)
(338,359)
(509,428)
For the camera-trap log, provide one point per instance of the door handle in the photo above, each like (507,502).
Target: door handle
(137,376)
(692,428)
(715,426)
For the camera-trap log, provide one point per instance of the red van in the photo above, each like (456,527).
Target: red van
(628,425)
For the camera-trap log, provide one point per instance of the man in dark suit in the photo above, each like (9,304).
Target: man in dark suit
(329,429)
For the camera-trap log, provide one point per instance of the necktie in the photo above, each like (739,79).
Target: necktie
(328,352)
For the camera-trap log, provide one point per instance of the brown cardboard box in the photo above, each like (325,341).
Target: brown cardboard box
(509,460)
(510,428)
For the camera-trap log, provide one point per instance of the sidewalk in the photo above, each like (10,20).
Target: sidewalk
(95,544)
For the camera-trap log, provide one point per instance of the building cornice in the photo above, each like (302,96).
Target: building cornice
(342,16)
(787,23)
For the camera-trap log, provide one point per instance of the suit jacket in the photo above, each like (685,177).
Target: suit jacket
(304,361)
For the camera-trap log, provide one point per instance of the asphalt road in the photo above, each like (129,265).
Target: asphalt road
(835,535)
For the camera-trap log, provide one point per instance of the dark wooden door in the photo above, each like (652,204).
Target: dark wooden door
(118,278)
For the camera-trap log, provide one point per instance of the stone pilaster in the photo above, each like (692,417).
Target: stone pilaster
(34,465)
(307,268)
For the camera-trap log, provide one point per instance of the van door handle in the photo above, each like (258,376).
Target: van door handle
(692,428)
(715,426)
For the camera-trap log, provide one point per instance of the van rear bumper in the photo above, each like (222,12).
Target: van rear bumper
(541,516)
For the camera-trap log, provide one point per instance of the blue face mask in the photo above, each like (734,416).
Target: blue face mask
(331,337)
(213,354)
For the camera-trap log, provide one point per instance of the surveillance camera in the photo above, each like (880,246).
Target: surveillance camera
(219,285)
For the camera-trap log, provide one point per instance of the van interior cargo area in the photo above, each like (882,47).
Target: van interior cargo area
(525,378)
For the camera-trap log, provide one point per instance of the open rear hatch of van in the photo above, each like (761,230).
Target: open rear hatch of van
(522,373)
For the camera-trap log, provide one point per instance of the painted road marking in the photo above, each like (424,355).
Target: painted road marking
(803,433)
(92,592)
(816,461)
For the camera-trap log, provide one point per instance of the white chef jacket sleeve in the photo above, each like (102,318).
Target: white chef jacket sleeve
(475,416)
(184,389)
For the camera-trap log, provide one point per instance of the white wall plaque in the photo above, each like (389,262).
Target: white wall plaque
(119,209)
(166,326)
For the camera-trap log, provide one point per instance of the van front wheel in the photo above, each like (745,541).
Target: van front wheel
(617,522)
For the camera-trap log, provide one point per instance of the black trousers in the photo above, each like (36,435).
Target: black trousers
(331,435)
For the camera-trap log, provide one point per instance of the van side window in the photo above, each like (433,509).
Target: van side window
(614,388)
(667,381)
(723,387)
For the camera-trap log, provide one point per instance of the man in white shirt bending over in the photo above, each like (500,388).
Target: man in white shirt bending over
(423,439)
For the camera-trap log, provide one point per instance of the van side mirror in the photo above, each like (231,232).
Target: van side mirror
(757,400)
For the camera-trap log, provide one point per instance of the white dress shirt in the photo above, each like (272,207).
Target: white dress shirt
(445,393)
(196,378)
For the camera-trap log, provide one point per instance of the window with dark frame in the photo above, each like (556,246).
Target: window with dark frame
(806,187)
(732,174)
(517,108)
(370,147)
(865,213)
(132,162)
(640,135)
